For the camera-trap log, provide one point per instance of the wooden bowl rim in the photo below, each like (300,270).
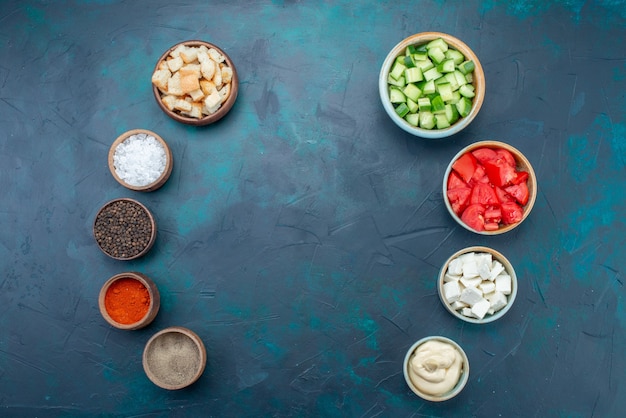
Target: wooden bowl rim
(226,106)
(162,178)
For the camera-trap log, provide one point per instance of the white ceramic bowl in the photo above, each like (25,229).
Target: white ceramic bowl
(522,164)
(460,383)
(495,256)
(479,84)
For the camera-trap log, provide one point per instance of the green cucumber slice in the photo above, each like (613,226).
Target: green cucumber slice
(437,43)
(402,110)
(413,75)
(412,91)
(396,96)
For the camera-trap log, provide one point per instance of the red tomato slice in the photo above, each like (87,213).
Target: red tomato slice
(465,166)
(519,192)
(459,198)
(479,175)
(493,214)
(491,226)
(500,174)
(522,176)
(473,216)
(511,213)
(502,195)
(506,156)
(485,154)
(484,194)
(454,181)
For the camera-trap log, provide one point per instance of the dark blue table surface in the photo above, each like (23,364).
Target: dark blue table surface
(302,235)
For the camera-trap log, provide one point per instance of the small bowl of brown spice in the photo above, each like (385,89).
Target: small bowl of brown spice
(124,229)
(129,300)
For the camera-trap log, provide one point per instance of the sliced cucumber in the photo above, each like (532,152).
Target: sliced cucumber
(427,120)
(431,85)
(402,110)
(413,75)
(401,82)
(413,118)
(396,95)
(467,90)
(397,70)
(437,43)
(464,106)
(412,92)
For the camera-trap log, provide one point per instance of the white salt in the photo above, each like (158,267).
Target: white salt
(139,160)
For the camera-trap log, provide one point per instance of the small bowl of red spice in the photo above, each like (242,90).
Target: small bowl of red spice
(129,300)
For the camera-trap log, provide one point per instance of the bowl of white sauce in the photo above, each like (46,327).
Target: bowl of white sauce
(436,368)
(140,160)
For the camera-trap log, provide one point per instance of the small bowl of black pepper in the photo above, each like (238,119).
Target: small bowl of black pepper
(124,229)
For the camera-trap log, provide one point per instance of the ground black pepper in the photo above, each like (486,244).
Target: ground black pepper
(123,229)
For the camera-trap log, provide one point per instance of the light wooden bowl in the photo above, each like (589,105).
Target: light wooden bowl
(479,84)
(460,383)
(159,181)
(102,221)
(153,308)
(522,164)
(495,256)
(208,119)
(174,358)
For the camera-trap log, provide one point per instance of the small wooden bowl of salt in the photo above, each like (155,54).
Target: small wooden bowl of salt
(140,160)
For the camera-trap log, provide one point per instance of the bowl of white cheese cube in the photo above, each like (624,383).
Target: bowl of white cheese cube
(477,284)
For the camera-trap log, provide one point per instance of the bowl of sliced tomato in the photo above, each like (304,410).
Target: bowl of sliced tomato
(489,187)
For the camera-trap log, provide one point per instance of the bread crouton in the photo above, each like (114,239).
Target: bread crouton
(174,64)
(227,74)
(224,92)
(212,100)
(215,55)
(173,85)
(160,78)
(189,54)
(196,95)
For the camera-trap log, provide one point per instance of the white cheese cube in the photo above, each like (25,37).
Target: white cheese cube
(487,287)
(498,301)
(480,308)
(470,269)
(496,269)
(451,277)
(471,295)
(452,291)
(458,305)
(467,312)
(467,257)
(474,282)
(484,258)
(455,267)
(484,270)
(491,311)
(503,283)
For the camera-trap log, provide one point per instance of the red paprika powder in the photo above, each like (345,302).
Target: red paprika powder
(127,300)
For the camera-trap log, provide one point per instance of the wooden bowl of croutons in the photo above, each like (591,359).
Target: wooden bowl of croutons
(195,82)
